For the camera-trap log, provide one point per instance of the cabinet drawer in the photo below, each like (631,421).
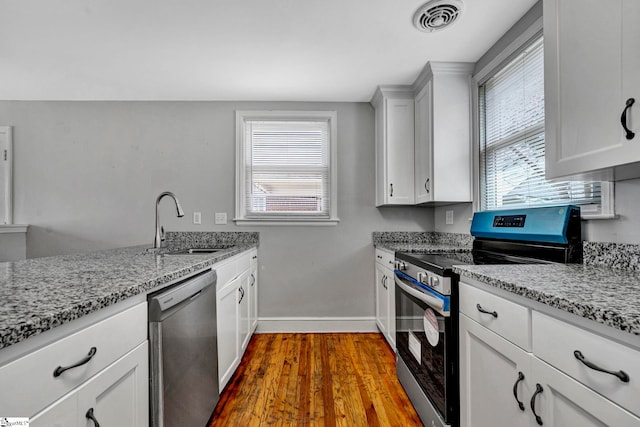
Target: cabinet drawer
(244,262)
(555,342)
(385,258)
(226,271)
(29,384)
(508,319)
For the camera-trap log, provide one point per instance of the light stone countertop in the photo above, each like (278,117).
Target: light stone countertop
(41,293)
(604,295)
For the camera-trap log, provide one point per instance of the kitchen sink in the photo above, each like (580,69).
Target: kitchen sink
(196,251)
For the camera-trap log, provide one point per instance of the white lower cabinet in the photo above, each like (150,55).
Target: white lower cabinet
(489,370)
(502,384)
(237,308)
(253,292)
(116,396)
(563,401)
(228,331)
(385,296)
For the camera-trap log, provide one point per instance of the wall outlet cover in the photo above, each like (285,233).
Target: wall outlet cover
(448,217)
(221,218)
(197,218)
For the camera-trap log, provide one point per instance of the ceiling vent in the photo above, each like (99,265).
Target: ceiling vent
(437,15)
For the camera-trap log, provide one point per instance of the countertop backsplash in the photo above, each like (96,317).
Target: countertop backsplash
(622,256)
(420,237)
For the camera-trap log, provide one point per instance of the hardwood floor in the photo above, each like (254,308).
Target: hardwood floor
(315,380)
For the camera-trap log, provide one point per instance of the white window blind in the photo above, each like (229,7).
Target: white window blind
(512,160)
(286,168)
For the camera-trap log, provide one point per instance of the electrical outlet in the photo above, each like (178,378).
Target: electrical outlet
(197,218)
(221,218)
(448,217)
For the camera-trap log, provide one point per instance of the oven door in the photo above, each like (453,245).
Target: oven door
(424,341)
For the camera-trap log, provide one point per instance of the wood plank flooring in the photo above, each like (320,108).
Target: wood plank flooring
(315,380)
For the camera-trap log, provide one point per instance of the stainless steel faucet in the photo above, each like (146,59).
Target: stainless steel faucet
(157,242)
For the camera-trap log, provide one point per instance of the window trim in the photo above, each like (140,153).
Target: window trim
(242,116)
(511,50)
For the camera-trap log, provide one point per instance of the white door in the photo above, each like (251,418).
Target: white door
(589,76)
(244,307)
(491,388)
(423,145)
(253,298)
(119,395)
(562,401)
(399,151)
(228,333)
(382,300)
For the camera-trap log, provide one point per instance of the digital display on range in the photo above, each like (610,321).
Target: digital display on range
(508,221)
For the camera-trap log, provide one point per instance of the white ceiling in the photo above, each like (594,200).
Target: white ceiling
(289,50)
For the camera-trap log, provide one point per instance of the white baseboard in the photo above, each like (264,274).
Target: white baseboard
(316,324)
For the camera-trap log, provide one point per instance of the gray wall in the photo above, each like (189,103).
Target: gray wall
(87,175)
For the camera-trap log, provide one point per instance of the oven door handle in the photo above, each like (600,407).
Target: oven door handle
(433,302)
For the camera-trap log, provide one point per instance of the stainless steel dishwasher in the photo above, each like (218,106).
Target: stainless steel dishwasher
(184,352)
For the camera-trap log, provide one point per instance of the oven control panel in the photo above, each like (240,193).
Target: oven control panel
(509,221)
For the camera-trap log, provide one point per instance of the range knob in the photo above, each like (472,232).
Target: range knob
(434,281)
(422,277)
(400,265)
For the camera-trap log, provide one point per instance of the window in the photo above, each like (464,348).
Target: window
(512,158)
(286,167)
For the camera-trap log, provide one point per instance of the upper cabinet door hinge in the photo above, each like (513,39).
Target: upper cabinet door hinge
(5,155)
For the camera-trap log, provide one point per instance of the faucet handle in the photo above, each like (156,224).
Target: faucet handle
(162,236)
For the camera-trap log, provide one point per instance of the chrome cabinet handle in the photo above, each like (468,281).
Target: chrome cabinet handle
(89,415)
(482,310)
(623,118)
(515,390)
(426,185)
(384,282)
(390,190)
(59,370)
(539,390)
(378,256)
(621,375)
(241,294)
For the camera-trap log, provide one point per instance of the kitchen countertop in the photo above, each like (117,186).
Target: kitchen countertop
(42,293)
(604,295)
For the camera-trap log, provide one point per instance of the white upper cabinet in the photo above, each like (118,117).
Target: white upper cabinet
(442,158)
(394,115)
(592,63)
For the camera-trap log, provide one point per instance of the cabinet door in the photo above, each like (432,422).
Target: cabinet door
(423,145)
(253,298)
(391,310)
(63,413)
(244,309)
(119,395)
(489,373)
(228,333)
(589,75)
(563,402)
(382,300)
(399,151)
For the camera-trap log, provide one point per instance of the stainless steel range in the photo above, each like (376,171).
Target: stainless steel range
(427,297)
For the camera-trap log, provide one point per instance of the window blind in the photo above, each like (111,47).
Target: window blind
(512,158)
(287,169)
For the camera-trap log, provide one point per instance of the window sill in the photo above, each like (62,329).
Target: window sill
(288,222)
(13,228)
(586,217)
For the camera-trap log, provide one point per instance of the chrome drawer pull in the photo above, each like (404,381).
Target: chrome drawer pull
(482,310)
(621,375)
(59,370)
(539,390)
(515,390)
(89,415)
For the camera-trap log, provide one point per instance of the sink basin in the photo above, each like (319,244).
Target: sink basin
(196,251)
